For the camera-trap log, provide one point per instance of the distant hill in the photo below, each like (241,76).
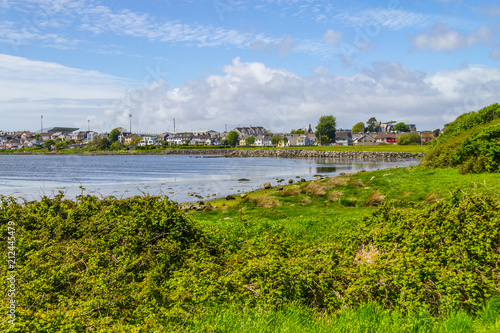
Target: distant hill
(471,143)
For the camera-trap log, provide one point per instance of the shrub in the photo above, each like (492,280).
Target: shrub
(408,139)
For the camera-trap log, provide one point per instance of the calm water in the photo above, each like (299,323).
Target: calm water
(33,176)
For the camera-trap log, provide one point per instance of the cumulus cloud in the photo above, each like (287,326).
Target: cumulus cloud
(246,93)
(443,38)
(254,94)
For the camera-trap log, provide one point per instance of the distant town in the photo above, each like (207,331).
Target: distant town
(119,138)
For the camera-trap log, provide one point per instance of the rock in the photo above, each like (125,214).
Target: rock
(280,188)
(190,194)
(302,180)
(290,181)
(243,180)
(243,195)
(267,186)
(230,197)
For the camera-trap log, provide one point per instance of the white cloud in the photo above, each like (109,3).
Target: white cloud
(251,93)
(442,38)
(332,37)
(60,93)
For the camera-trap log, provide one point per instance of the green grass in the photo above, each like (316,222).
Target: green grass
(316,217)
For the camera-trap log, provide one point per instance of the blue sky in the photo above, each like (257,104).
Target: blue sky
(275,63)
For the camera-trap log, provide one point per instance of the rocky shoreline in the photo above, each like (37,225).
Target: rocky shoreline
(293,153)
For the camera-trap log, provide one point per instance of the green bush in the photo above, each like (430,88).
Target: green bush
(409,139)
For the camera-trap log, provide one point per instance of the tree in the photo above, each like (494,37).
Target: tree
(299,131)
(48,144)
(285,140)
(359,127)
(401,127)
(102,144)
(436,132)
(275,140)
(232,138)
(37,136)
(372,125)
(409,139)
(113,135)
(250,141)
(326,127)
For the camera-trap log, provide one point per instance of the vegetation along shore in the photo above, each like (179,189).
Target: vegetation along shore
(412,249)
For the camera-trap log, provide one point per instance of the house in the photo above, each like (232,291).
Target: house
(12,144)
(387,127)
(307,129)
(299,140)
(79,136)
(262,140)
(385,138)
(365,139)
(344,138)
(180,138)
(128,138)
(45,136)
(242,139)
(199,140)
(312,138)
(147,140)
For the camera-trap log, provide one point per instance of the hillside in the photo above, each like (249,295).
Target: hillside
(470,143)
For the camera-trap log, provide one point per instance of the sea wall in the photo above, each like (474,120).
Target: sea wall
(293,153)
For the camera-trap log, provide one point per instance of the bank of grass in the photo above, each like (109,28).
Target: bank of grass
(344,200)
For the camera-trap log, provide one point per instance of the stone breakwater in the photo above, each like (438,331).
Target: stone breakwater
(294,153)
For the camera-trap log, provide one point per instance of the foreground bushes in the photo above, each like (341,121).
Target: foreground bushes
(470,143)
(100,263)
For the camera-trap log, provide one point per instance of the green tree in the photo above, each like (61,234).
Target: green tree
(401,127)
(232,138)
(250,141)
(408,138)
(117,146)
(37,136)
(48,144)
(326,127)
(436,132)
(285,140)
(299,131)
(275,140)
(113,135)
(372,125)
(102,144)
(359,127)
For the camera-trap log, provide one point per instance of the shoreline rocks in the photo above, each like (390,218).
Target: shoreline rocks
(294,153)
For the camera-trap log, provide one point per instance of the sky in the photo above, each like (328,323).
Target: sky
(217,64)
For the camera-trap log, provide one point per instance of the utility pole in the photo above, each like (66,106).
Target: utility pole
(174,125)
(41,124)
(88,122)
(130,118)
